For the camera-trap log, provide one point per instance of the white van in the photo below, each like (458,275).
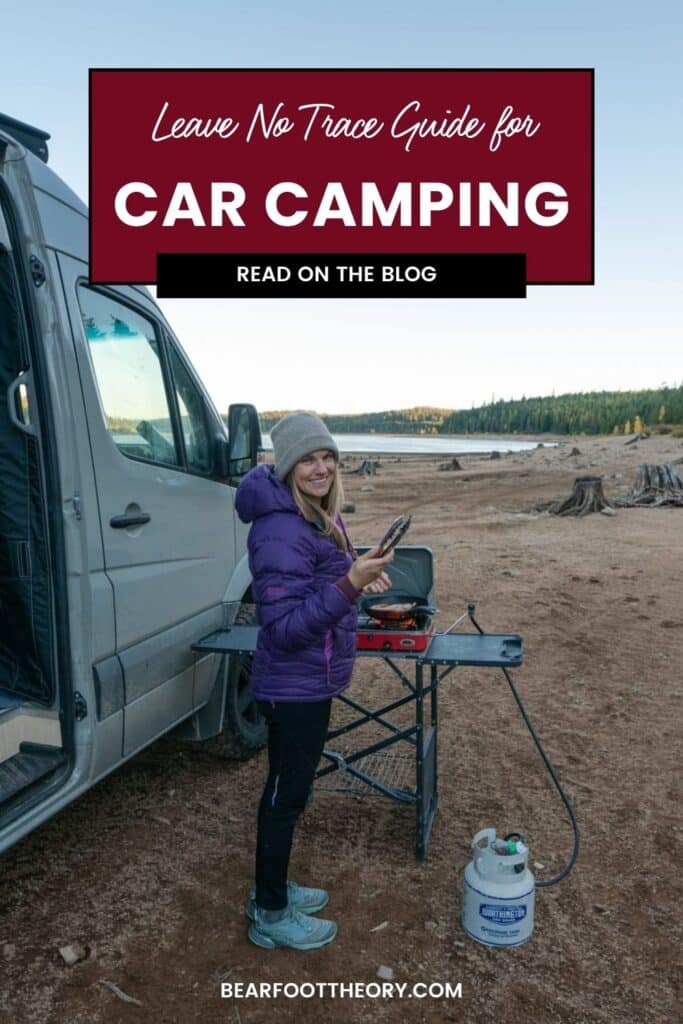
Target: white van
(119,547)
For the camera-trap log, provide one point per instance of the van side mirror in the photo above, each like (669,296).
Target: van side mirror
(244,439)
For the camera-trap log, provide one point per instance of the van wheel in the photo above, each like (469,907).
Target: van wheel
(244,730)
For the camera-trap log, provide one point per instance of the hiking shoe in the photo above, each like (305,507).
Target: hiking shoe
(299,897)
(295,930)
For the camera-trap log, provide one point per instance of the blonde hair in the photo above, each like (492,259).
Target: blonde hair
(325,514)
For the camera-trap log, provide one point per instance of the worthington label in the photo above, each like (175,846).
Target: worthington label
(502,915)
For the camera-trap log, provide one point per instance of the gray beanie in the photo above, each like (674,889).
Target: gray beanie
(297,435)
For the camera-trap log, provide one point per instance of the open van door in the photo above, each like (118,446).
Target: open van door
(35,707)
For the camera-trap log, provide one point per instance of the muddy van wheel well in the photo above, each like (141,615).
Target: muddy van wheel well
(244,731)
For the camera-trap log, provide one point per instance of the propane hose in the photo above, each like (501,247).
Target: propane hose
(471,608)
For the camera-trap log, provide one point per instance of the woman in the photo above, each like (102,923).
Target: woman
(306,582)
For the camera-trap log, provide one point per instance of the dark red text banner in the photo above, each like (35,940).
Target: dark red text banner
(238,162)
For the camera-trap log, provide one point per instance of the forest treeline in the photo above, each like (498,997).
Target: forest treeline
(590,412)
(420,420)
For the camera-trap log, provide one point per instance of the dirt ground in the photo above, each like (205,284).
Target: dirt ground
(149,871)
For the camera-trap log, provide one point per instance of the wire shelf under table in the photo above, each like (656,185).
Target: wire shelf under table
(395,771)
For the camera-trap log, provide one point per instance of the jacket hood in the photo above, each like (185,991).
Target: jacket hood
(261,493)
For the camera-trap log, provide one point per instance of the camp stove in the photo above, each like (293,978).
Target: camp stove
(377,636)
(412,578)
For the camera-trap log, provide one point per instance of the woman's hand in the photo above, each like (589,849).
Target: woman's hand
(369,569)
(378,586)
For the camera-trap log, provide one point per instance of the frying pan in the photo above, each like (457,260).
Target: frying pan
(398,609)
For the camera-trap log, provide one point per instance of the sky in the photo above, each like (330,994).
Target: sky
(356,355)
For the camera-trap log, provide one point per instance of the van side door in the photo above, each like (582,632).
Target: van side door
(165,514)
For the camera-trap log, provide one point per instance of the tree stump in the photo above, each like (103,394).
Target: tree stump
(587,496)
(655,485)
(368,467)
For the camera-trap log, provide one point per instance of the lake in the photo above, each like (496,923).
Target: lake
(419,444)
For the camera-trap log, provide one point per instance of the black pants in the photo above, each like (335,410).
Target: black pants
(296,737)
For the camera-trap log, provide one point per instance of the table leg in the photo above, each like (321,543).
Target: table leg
(434,679)
(425,760)
(420,848)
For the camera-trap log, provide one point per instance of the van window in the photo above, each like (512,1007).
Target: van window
(192,416)
(126,356)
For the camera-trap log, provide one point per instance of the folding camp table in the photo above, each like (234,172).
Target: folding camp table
(445,652)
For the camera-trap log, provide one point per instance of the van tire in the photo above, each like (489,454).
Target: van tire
(244,730)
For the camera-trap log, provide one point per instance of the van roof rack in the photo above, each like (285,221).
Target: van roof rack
(35,139)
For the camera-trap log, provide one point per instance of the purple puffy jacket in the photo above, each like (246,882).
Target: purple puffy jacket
(306,605)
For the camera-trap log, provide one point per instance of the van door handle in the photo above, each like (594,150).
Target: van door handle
(124,521)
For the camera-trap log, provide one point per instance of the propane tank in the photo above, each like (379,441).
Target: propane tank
(498,891)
